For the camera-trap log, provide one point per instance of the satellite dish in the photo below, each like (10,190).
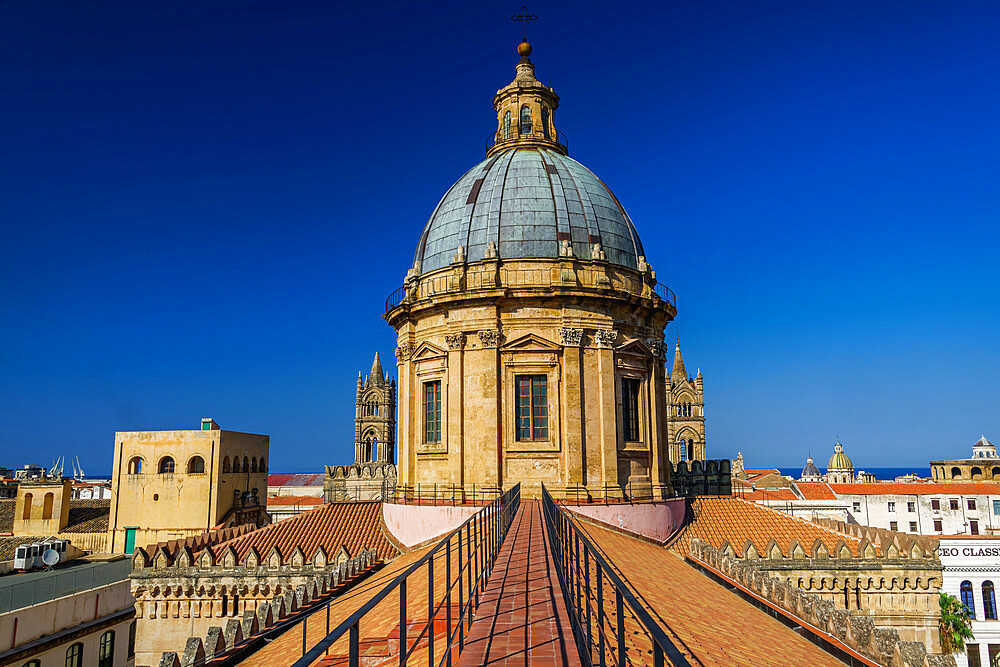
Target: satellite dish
(50,557)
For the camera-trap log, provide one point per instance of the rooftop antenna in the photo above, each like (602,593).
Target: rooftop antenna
(524,17)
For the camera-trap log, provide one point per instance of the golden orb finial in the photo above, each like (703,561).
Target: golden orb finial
(524,49)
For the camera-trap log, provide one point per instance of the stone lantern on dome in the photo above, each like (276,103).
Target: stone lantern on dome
(531,327)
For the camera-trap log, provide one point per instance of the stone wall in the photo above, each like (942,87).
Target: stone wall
(368,481)
(270,609)
(856,629)
(702,478)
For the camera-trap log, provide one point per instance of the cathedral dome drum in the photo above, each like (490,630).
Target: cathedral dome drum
(528,202)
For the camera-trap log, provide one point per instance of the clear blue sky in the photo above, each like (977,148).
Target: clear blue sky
(205,204)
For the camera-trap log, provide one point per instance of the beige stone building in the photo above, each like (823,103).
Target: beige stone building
(531,326)
(984,464)
(175,484)
(44,507)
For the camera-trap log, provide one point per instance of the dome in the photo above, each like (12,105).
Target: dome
(527,201)
(839,460)
(810,470)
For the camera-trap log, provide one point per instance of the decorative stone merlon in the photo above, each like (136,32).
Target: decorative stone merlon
(455,341)
(565,249)
(596,252)
(489,337)
(491,251)
(605,337)
(571,337)
(880,644)
(459,256)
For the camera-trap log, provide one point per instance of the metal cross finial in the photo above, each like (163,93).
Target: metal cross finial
(524,17)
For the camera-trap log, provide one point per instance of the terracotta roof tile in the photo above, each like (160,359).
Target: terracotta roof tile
(919,488)
(88,516)
(717,520)
(816,491)
(276,501)
(295,479)
(685,600)
(355,526)
(7,515)
(769,494)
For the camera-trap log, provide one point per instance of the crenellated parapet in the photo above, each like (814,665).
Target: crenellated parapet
(276,608)
(859,630)
(886,540)
(168,551)
(376,471)
(702,478)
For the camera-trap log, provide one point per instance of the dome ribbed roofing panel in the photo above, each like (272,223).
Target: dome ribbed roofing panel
(839,461)
(527,201)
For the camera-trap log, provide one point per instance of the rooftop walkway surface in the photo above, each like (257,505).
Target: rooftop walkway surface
(711,625)
(522,619)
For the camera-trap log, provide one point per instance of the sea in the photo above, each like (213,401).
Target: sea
(881,474)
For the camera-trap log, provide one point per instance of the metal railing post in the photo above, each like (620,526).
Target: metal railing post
(354,652)
(402,623)
(621,626)
(447,580)
(600,614)
(586,593)
(430,612)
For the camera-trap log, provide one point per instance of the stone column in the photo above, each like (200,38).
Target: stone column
(483,437)
(456,409)
(574,449)
(608,436)
(407,447)
(659,445)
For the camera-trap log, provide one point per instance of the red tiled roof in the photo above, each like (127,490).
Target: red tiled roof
(295,479)
(769,494)
(685,601)
(721,519)
(816,491)
(761,471)
(919,488)
(355,526)
(275,501)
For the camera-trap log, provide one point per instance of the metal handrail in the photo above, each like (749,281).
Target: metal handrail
(486,530)
(515,134)
(586,604)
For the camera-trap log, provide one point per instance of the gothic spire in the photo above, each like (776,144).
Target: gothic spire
(376,374)
(679,372)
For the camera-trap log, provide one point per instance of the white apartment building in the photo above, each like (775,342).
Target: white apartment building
(972,573)
(927,508)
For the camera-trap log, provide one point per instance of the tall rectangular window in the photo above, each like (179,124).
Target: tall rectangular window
(432,411)
(531,405)
(630,409)
(935,504)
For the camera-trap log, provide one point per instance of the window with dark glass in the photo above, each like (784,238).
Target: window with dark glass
(989,602)
(131,640)
(996,507)
(953,503)
(166,465)
(432,411)
(911,507)
(106,650)
(893,525)
(545,123)
(196,465)
(935,503)
(973,527)
(971,503)
(965,591)
(913,526)
(857,506)
(531,405)
(630,409)
(525,120)
(972,655)
(506,125)
(74,655)
(937,525)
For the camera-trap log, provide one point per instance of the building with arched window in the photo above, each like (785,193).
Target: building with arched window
(982,466)
(685,412)
(970,574)
(170,484)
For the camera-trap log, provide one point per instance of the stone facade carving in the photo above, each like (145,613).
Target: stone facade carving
(658,348)
(403,352)
(455,341)
(685,413)
(571,337)
(489,337)
(605,337)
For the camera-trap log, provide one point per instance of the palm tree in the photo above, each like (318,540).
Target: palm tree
(954,624)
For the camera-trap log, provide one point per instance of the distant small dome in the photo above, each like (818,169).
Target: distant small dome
(839,460)
(810,470)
